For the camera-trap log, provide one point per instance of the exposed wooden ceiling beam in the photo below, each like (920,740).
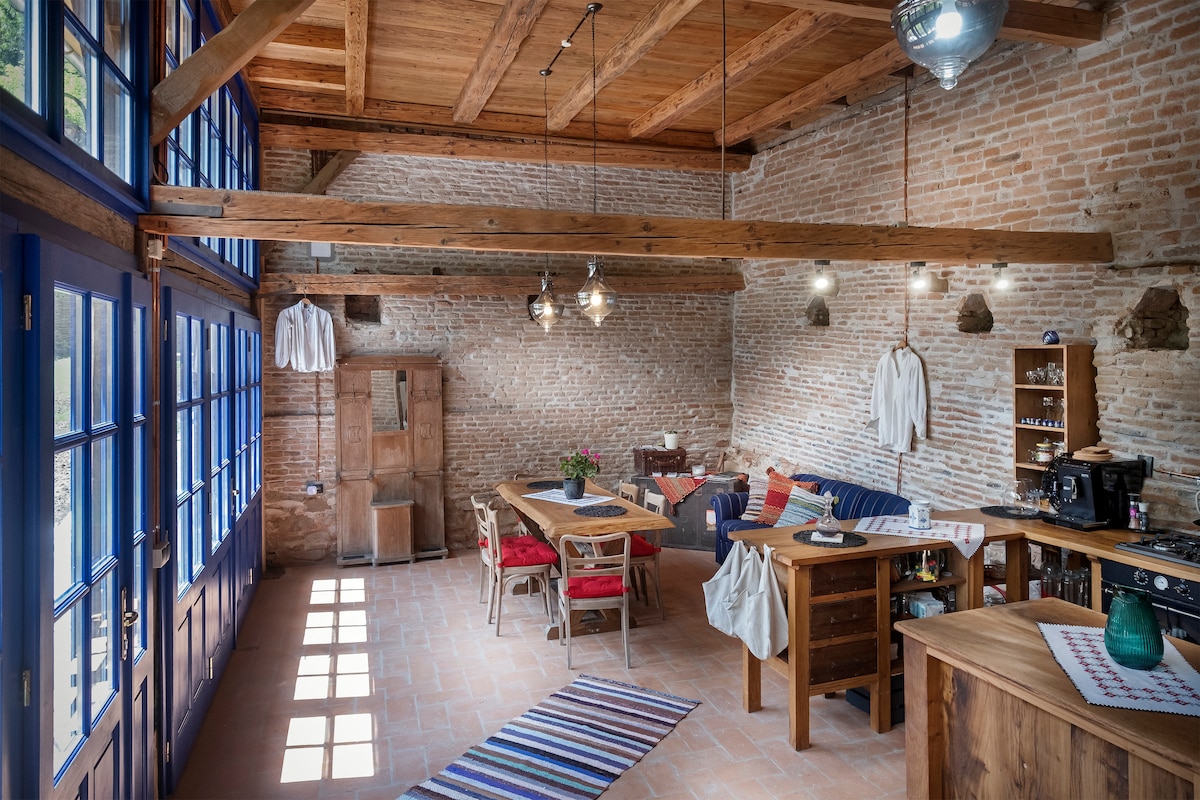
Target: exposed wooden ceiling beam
(328,173)
(607,154)
(881,61)
(516,20)
(218,60)
(182,211)
(315,43)
(665,15)
(799,29)
(1026,21)
(356,56)
(482,285)
(436,119)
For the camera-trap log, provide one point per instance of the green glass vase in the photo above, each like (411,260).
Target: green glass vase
(1131,635)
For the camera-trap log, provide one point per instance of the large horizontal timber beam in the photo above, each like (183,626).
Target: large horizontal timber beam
(276,283)
(182,211)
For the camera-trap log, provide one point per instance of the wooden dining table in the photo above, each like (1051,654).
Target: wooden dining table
(552,521)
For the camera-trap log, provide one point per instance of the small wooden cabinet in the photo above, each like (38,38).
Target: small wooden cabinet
(1070,416)
(389,431)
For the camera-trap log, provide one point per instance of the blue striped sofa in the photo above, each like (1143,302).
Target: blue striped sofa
(854,501)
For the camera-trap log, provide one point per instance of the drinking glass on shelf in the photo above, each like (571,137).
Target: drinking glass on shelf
(1052,580)
(1031,376)
(1054,374)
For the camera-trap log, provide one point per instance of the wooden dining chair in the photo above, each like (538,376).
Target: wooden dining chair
(629,491)
(595,575)
(514,558)
(644,554)
(487,572)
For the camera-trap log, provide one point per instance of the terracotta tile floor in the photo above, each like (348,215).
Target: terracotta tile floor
(359,682)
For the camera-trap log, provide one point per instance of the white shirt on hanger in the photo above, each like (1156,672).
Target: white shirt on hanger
(898,405)
(304,337)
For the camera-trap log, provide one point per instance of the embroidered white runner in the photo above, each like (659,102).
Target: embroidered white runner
(966,536)
(1173,686)
(559,496)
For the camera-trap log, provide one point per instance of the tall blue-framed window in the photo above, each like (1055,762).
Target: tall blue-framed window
(189,450)
(247,443)
(85,547)
(73,76)
(216,146)
(220,452)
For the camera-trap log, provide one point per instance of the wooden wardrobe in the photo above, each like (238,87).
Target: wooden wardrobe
(389,433)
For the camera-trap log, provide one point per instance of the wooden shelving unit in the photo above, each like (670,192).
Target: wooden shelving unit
(1078,407)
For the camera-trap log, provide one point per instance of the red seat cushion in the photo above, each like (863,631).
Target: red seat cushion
(531,553)
(640,546)
(599,586)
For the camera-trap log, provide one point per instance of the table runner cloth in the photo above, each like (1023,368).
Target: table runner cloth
(676,489)
(966,536)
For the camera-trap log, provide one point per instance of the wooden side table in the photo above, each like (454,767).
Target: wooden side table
(391,531)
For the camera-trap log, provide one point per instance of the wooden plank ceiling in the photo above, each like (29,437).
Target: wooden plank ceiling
(461,77)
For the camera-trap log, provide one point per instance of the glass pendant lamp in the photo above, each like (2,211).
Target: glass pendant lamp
(596,299)
(547,309)
(944,36)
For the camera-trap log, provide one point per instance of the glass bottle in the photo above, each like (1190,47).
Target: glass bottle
(827,523)
(1131,635)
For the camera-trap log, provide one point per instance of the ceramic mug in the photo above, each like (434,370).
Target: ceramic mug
(918,515)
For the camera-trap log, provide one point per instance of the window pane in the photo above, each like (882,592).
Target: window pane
(104,500)
(196,427)
(138,477)
(183,555)
(183,456)
(68,362)
(118,127)
(85,12)
(196,386)
(79,85)
(185,31)
(139,362)
(68,538)
(68,683)
(103,643)
(116,34)
(137,599)
(197,531)
(19,71)
(182,354)
(104,377)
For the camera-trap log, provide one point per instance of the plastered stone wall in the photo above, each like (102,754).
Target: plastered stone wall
(1103,138)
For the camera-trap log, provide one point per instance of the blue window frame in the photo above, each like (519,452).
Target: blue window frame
(247,441)
(215,146)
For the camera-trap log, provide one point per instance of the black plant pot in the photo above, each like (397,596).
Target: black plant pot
(573,488)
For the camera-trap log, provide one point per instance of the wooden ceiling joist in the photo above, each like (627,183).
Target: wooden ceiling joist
(181,211)
(794,32)
(879,62)
(481,285)
(665,15)
(513,25)
(207,69)
(532,151)
(356,56)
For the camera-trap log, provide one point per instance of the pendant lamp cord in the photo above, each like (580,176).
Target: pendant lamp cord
(724,82)
(904,270)
(595,130)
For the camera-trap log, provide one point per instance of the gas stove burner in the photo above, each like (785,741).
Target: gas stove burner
(1180,547)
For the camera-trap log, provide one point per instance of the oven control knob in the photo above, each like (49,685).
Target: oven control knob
(1161,583)
(1182,590)
(1140,577)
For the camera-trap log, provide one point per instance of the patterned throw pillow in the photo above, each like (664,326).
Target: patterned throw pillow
(779,487)
(758,493)
(802,506)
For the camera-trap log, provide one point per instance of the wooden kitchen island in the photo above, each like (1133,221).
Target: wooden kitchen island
(990,713)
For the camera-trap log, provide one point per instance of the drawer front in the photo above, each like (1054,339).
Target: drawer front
(843,576)
(845,617)
(838,662)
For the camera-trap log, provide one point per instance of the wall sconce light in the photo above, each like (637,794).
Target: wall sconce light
(923,281)
(919,281)
(824,283)
(1001,281)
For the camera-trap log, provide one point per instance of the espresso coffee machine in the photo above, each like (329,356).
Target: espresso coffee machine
(1089,495)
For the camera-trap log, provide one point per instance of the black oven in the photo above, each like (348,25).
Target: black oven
(1176,600)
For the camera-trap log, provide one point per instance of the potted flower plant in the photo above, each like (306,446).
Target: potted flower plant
(578,467)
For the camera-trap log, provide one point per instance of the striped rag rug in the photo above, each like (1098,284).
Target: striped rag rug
(573,744)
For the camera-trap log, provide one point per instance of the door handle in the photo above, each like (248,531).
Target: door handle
(128,618)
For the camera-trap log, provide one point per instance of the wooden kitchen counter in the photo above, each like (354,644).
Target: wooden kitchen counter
(989,713)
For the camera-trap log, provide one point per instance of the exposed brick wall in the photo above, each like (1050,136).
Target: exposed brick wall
(1103,138)
(515,399)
